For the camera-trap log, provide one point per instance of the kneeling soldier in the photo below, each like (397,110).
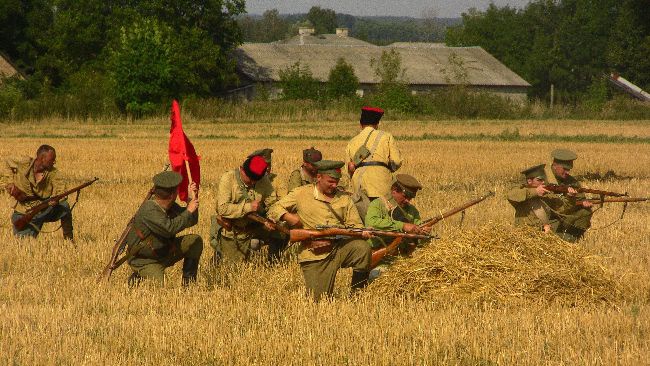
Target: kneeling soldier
(153,236)
(307,172)
(318,204)
(528,201)
(32,180)
(241,191)
(394,212)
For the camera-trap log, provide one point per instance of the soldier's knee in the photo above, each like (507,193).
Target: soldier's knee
(196,245)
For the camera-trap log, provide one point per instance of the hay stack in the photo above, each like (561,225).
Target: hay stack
(500,263)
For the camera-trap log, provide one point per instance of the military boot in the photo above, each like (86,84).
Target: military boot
(190,268)
(359,280)
(66,227)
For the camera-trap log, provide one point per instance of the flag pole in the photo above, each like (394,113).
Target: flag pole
(189,177)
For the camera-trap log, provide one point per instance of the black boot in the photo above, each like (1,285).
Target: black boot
(66,227)
(359,280)
(190,268)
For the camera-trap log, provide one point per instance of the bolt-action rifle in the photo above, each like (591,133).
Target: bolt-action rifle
(120,244)
(29,215)
(597,201)
(556,188)
(379,254)
(337,232)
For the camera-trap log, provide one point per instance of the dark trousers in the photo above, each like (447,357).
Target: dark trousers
(55,213)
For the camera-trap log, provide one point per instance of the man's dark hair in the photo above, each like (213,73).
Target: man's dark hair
(163,193)
(43,149)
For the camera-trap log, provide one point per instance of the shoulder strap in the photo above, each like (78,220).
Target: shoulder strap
(368,137)
(329,207)
(376,143)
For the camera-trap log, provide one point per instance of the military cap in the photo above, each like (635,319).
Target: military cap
(167,179)
(564,158)
(255,167)
(371,115)
(330,167)
(311,155)
(409,184)
(265,153)
(536,171)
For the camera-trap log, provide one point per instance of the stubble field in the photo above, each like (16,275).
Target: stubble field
(53,312)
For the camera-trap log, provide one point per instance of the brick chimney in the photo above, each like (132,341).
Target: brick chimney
(342,32)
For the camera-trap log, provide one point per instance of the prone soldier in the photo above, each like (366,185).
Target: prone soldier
(152,241)
(30,181)
(321,203)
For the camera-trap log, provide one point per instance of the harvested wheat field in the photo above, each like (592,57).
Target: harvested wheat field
(484,294)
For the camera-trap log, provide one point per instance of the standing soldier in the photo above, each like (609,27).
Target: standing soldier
(530,208)
(241,191)
(395,212)
(323,204)
(573,219)
(372,157)
(32,180)
(307,172)
(152,238)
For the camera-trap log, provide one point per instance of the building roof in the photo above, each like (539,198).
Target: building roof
(324,39)
(425,65)
(7,70)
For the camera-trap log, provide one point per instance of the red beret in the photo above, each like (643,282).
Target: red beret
(255,167)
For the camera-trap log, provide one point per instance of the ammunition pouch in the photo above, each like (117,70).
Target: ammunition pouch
(362,202)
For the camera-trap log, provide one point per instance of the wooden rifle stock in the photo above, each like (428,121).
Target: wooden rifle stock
(120,244)
(29,215)
(263,220)
(379,254)
(313,234)
(611,200)
(556,188)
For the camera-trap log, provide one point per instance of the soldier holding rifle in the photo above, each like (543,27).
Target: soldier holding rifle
(241,191)
(152,241)
(313,205)
(31,181)
(527,200)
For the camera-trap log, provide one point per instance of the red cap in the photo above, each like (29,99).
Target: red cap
(371,115)
(255,167)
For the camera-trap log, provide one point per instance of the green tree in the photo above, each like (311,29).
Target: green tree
(142,68)
(323,20)
(297,82)
(342,81)
(393,91)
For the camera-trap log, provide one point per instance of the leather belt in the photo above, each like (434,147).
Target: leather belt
(373,163)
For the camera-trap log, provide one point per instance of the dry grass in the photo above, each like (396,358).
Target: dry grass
(52,312)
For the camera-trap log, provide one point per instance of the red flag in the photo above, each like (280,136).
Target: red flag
(180,151)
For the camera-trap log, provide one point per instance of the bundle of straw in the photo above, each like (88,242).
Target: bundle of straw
(500,263)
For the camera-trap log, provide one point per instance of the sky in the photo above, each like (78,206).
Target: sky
(412,8)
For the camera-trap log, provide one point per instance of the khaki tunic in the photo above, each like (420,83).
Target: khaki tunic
(20,172)
(376,180)
(234,201)
(530,208)
(312,208)
(564,208)
(299,178)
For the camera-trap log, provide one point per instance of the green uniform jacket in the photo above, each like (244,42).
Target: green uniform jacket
(312,208)
(20,172)
(530,209)
(159,228)
(234,201)
(385,214)
(298,178)
(375,180)
(564,208)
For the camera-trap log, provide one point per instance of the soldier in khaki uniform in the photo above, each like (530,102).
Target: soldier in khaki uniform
(323,204)
(395,212)
(307,172)
(372,157)
(528,200)
(241,191)
(32,180)
(573,219)
(153,239)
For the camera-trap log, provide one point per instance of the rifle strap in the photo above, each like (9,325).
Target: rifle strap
(338,217)
(372,151)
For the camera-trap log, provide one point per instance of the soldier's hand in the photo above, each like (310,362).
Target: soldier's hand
(367,235)
(546,228)
(412,229)
(52,203)
(571,191)
(255,205)
(587,204)
(269,226)
(292,219)
(194,189)
(541,190)
(193,205)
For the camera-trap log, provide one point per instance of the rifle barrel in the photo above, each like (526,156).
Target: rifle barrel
(434,220)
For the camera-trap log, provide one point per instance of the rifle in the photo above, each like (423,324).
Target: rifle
(277,226)
(29,215)
(120,244)
(556,188)
(336,232)
(597,201)
(379,254)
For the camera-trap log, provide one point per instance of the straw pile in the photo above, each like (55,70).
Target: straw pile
(499,264)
